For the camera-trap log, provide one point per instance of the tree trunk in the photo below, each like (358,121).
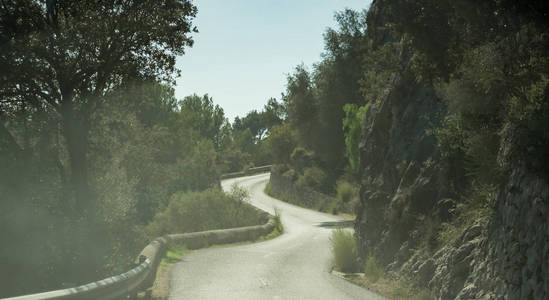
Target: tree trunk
(89,235)
(76,131)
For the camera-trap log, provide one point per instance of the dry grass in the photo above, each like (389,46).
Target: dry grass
(344,249)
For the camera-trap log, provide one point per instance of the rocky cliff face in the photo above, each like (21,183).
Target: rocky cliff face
(405,197)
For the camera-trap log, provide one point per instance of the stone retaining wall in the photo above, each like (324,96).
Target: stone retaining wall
(285,189)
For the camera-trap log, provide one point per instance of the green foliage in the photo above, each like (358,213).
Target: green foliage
(346,192)
(278,222)
(142,150)
(474,208)
(353,123)
(233,160)
(278,228)
(274,113)
(250,135)
(205,118)
(300,101)
(301,158)
(291,174)
(494,81)
(70,67)
(380,66)
(451,143)
(282,142)
(344,250)
(174,255)
(314,99)
(198,171)
(84,105)
(253,122)
(448,233)
(527,106)
(276,232)
(204,210)
(333,208)
(312,177)
(372,269)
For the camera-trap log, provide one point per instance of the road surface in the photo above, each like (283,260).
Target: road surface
(295,265)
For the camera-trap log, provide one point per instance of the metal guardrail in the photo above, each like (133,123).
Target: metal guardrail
(260,169)
(113,287)
(250,171)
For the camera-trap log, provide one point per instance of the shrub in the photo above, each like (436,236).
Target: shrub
(335,206)
(205,210)
(372,270)
(291,174)
(301,158)
(279,168)
(278,223)
(345,191)
(281,141)
(344,249)
(312,177)
(448,233)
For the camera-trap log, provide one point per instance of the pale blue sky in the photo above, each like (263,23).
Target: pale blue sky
(245,48)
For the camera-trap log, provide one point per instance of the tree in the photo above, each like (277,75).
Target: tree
(206,119)
(282,142)
(253,122)
(274,113)
(301,104)
(71,54)
(315,100)
(336,79)
(199,171)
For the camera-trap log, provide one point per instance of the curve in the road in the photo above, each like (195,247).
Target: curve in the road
(295,265)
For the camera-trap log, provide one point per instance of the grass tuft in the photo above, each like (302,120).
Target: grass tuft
(372,270)
(174,254)
(344,249)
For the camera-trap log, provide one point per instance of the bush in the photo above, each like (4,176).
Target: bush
(312,177)
(335,206)
(205,210)
(348,196)
(278,223)
(279,169)
(346,191)
(372,270)
(290,174)
(301,158)
(344,249)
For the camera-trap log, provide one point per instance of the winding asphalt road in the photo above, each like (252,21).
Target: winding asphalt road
(295,265)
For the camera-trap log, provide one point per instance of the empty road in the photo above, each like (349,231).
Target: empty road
(295,265)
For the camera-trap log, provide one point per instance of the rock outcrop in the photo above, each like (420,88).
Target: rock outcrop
(405,198)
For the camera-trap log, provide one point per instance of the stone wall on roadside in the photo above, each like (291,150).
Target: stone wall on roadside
(285,189)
